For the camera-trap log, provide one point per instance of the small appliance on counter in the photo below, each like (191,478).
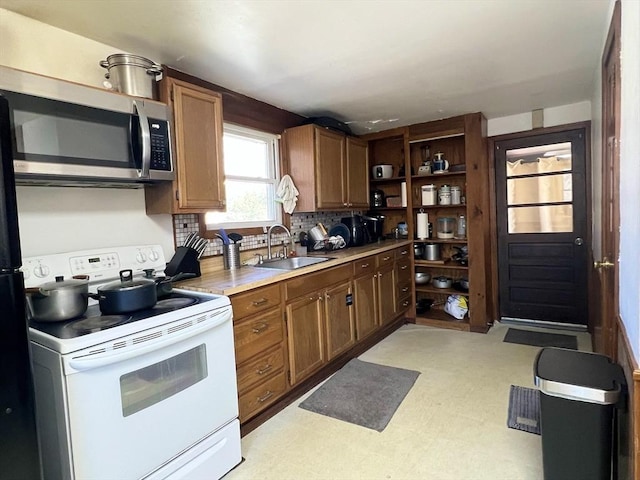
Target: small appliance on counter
(375,226)
(358,230)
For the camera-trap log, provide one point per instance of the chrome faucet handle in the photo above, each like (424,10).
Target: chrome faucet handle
(260,258)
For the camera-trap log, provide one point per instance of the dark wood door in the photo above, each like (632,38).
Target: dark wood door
(542,227)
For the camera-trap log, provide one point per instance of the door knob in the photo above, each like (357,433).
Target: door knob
(578,241)
(603,264)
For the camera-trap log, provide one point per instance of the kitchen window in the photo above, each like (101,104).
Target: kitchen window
(251,178)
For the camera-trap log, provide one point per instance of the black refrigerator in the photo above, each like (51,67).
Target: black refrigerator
(19,455)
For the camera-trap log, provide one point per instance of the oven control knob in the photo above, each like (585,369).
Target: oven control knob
(41,271)
(153,255)
(141,257)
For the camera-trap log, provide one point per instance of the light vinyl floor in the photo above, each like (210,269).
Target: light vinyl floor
(451,425)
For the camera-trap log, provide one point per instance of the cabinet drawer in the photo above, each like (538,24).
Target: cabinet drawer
(404,270)
(404,303)
(385,258)
(296,287)
(261,397)
(254,335)
(403,252)
(404,288)
(366,266)
(254,301)
(257,370)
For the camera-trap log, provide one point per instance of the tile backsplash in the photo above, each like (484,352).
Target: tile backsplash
(184,224)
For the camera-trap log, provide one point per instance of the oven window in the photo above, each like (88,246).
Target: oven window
(157,382)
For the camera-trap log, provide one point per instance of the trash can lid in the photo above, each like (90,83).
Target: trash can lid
(583,376)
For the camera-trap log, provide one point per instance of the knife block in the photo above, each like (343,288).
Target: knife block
(185,260)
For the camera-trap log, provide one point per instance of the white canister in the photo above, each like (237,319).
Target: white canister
(456,195)
(444,195)
(429,194)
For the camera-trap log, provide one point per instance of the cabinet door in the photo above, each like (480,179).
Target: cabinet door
(329,169)
(357,173)
(366,303)
(305,331)
(198,149)
(387,294)
(339,320)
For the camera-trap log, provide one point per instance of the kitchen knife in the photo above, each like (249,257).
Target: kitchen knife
(188,239)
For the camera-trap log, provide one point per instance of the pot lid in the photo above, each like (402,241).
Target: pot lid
(62,284)
(122,285)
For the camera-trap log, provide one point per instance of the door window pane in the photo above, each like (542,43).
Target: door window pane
(157,382)
(539,159)
(542,189)
(542,219)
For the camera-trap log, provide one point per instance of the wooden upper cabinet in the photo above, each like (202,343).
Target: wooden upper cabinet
(357,173)
(328,168)
(197,152)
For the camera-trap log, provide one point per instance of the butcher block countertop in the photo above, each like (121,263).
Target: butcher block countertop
(231,282)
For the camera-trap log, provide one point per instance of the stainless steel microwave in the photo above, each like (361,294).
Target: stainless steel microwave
(64,133)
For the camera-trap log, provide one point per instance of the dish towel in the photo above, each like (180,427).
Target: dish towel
(287,194)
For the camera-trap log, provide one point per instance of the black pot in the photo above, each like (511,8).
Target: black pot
(127,295)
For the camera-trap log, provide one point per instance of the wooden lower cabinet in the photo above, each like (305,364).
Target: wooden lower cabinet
(365,293)
(261,351)
(305,319)
(339,320)
(320,322)
(387,307)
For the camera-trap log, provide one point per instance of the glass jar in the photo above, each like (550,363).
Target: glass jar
(446,227)
(456,195)
(429,194)
(462,227)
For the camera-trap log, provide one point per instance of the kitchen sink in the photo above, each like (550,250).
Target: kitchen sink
(292,263)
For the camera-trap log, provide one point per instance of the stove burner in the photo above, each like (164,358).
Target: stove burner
(174,303)
(95,324)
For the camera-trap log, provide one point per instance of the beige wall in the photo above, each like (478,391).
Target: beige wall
(61,219)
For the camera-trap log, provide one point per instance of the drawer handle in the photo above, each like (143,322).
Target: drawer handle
(405,289)
(262,301)
(405,303)
(364,265)
(404,267)
(265,369)
(404,252)
(386,258)
(266,397)
(260,328)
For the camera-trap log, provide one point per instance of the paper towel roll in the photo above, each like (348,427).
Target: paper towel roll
(403,193)
(423,225)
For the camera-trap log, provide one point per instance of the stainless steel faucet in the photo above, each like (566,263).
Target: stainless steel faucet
(269,238)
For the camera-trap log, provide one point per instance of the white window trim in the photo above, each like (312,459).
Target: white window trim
(273,171)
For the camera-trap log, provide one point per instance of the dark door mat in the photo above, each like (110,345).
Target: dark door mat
(541,339)
(524,409)
(363,393)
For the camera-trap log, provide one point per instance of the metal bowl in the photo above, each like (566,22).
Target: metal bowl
(422,278)
(441,282)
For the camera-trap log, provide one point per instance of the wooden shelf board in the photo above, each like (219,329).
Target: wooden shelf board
(447,264)
(456,241)
(432,207)
(438,175)
(438,318)
(388,180)
(439,291)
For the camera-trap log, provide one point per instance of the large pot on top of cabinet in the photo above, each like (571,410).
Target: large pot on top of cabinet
(127,295)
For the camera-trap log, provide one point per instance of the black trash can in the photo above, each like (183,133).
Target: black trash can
(579,392)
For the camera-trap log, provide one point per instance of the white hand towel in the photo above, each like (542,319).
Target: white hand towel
(287,194)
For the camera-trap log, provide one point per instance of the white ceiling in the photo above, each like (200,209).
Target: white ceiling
(362,61)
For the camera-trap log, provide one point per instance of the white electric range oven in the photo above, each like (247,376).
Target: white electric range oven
(145,395)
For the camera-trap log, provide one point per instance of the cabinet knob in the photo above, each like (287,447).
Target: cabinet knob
(262,301)
(364,265)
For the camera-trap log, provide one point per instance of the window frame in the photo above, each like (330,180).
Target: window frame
(274,170)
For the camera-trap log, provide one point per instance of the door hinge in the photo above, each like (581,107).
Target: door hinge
(171,94)
(289,376)
(177,195)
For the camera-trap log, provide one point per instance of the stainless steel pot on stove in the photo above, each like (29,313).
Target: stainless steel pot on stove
(58,301)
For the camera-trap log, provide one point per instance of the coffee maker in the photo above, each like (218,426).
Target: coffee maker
(377,198)
(375,226)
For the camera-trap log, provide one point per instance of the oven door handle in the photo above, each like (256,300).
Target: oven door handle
(102,359)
